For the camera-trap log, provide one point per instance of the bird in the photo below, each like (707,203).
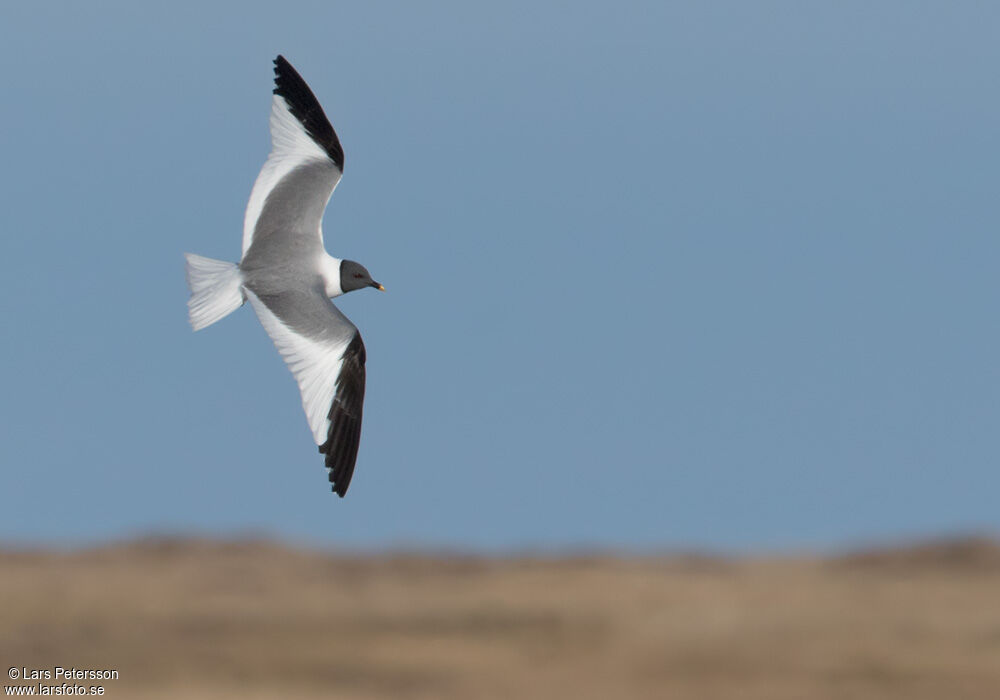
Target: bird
(289,278)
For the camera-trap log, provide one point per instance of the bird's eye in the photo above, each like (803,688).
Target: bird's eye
(358,275)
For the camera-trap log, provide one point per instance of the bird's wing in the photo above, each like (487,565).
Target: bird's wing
(302,142)
(324,351)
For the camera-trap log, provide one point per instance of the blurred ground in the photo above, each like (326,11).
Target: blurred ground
(220,620)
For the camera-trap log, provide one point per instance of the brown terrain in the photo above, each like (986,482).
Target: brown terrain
(251,619)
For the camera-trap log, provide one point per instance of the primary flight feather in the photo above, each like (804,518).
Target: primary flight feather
(289,278)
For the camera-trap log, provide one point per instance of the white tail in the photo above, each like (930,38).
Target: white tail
(215,289)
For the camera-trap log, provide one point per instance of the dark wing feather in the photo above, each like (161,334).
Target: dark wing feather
(341,446)
(306,108)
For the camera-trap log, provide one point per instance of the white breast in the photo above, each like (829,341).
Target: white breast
(330,269)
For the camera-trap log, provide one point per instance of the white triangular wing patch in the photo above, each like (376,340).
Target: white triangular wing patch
(314,364)
(291,146)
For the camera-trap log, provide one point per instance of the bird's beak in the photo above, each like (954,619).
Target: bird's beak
(378,286)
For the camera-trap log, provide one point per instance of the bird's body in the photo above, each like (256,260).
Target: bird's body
(289,278)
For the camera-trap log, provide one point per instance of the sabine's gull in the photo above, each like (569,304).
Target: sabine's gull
(289,278)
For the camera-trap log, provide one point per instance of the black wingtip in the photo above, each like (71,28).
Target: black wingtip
(306,108)
(344,435)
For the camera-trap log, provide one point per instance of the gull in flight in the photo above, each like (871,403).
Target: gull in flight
(289,278)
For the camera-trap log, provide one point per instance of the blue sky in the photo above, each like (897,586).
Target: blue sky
(661,275)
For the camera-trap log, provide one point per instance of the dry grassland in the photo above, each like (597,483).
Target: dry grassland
(226,620)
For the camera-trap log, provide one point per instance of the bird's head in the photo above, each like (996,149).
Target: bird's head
(354,276)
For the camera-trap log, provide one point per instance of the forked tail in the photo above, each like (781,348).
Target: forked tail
(215,289)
